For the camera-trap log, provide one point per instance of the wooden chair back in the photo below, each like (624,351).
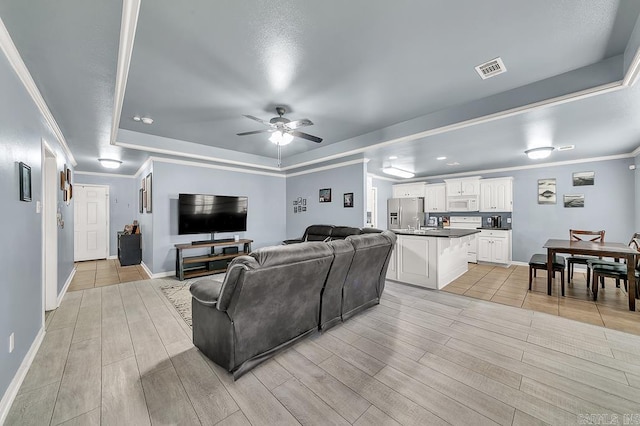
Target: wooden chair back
(591,236)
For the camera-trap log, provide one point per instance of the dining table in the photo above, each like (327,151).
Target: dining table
(599,249)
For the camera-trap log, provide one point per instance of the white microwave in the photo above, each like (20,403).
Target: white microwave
(462,204)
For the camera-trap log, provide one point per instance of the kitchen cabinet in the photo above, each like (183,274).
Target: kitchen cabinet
(409,190)
(426,261)
(435,198)
(464,186)
(494,245)
(496,195)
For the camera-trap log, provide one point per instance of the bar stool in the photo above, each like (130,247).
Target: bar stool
(539,261)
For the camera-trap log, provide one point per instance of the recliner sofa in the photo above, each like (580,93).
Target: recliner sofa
(329,233)
(278,295)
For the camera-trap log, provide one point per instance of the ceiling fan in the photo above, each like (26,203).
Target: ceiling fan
(282,129)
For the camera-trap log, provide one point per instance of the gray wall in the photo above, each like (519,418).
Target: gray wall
(385,191)
(21,304)
(265,218)
(351,178)
(610,204)
(637,175)
(123,202)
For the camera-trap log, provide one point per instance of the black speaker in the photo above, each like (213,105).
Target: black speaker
(229,250)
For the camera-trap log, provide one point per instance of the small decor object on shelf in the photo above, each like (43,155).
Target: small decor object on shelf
(574,200)
(25,182)
(546,191)
(148,191)
(584,178)
(348,199)
(325,195)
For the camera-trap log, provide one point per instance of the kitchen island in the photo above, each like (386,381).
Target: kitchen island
(429,258)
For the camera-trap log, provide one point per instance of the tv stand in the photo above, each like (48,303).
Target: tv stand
(207,264)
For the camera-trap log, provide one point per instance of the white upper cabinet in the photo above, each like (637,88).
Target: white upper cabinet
(409,190)
(496,195)
(435,198)
(465,186)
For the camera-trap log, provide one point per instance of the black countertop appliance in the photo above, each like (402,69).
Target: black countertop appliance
(496,221)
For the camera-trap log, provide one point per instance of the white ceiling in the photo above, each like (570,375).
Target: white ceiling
(376,78)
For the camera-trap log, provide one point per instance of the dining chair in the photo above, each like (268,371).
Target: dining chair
(539,261)
(616,270)
(580,235)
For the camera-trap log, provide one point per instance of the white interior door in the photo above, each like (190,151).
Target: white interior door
(90,222)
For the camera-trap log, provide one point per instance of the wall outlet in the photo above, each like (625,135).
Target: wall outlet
(508,220)
(489,220)
(11,342)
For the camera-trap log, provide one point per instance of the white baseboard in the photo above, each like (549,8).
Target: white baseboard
(112,257)
(159,274)
(12,391)
(66,286)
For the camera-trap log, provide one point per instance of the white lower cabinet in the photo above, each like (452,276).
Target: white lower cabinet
(428,261)
(494,246)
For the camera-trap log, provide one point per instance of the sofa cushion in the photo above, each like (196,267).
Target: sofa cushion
(331,306)
(342,232)
(206,291)
(318,233)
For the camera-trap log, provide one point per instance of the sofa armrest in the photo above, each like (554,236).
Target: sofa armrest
(206,291)
(294,241)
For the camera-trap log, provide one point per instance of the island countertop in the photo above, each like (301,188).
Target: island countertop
(438,233)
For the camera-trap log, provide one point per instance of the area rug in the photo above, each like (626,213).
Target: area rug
(180,298)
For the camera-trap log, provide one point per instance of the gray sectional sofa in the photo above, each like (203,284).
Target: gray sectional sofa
(275,296)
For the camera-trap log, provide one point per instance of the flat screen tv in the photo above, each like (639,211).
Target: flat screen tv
(200,214)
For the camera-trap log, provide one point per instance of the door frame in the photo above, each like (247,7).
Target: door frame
(48,210)
(107,221)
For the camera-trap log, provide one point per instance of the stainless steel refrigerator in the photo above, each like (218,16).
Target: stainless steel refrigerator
(403,213)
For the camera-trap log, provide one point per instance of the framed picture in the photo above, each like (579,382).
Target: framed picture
(295,202)
(348,199)
(70,191)
(63,180)
(295,209)
(325,195)
(148,191)
(65,196)
(572,201)
(546,191)
(144,199)
(142,183)
(304,202)
(584,178)
(141,200)
(25,182)
(304,208)
(69,176)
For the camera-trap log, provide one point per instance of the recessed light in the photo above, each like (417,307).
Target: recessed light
(109,163)
(566,148)
(393,157)
(455,163)
(145,120)
(441,158)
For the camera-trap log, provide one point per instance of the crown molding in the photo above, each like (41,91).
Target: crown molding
(209,166)
(105,174)
(329,167)
(128,24)
(636,152)
(384,178)
(631,76)
(13,56)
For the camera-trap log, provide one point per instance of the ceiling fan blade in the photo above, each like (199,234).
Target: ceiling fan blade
(298,123)
(259,120)
(306,136)
(256,132)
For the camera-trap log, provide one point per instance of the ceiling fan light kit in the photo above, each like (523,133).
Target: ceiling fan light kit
(397,172)
(281,138)
(539,153)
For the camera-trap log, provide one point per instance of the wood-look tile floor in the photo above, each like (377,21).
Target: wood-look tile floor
(99,273)
(510,286)
(121,355)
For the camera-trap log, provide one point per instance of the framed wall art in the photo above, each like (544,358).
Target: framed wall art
(325,195)
(546,191)
(25,182)
(584,178)
(573,201)
(348,199)
(149,193)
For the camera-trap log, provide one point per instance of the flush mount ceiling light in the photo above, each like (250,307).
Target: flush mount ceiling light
(393,157)
(397,172)
(145,120)
(281,138)
(455,163)
(539,153)
(109,163)
(441,158)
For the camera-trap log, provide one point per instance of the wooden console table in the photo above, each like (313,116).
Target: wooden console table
(207,264)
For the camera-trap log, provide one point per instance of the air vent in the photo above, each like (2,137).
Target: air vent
(566,148)
(491,68)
